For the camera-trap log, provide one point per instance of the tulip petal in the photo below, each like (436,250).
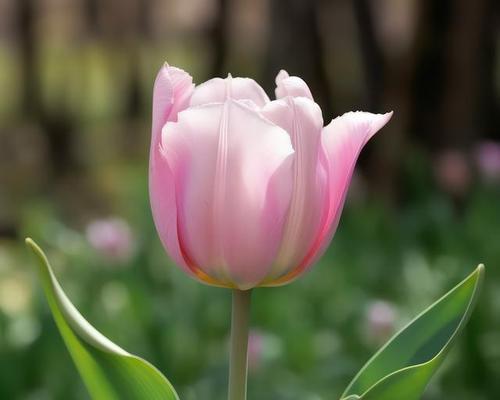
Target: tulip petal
(302,119)
(172,90)
(342,141)
(233,174)
(294,86)
(216,90)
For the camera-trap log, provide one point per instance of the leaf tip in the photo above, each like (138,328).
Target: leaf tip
(480,270)
(36,250)
(32,245)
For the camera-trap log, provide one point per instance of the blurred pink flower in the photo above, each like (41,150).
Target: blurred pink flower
(487,158)
(255,349)
(380,321)
(112,238)
(452,172)
(246,191)
(263,347)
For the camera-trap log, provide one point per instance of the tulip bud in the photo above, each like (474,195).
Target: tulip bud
(246,191)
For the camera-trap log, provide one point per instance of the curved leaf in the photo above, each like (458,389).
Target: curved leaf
(403,367)
(109,372)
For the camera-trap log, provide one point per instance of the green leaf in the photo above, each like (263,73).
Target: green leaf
(109,372)
(403,367)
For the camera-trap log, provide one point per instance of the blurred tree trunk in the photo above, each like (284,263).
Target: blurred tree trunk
(371,52)
(295,45)
(454,84)
(219,33)
(135,104)
(489,103)
(57,128)
(388,73)
(92,16)
(466,43)
(27,38)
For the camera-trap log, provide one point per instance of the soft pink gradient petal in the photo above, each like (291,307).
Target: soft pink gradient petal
(171,93)
(172,90)
(183,90)
(302,119)
(294,86)
(342,141)
(215,91)
(233,173)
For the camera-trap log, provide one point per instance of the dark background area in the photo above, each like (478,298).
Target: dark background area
(424,207)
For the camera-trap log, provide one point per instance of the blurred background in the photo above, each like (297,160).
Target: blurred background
(423,209)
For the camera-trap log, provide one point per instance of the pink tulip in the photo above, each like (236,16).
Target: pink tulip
(246,191)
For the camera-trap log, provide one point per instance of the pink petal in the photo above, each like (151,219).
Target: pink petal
(342,141)
(183,90)
(291,86)
(216,90)
(302,119)
(172,90)
(233,178)
(163,206)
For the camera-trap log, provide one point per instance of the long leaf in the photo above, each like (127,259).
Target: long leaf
(109,372)
(403,367)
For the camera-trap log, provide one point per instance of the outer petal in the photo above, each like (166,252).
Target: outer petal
(291,86)
(342,141)
(233,177)
(172,90)
(302,119)
(171,93)
(217,90)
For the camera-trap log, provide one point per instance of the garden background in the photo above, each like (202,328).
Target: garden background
(423,209)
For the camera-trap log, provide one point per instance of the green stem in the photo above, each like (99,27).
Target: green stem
(239,345)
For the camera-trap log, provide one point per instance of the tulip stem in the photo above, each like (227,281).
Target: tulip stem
(238,363)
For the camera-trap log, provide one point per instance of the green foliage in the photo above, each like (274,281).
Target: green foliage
(316,333)
(108,371)
(404,366)
(401,369)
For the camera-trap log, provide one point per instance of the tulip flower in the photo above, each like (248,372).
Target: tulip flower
(245,191)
